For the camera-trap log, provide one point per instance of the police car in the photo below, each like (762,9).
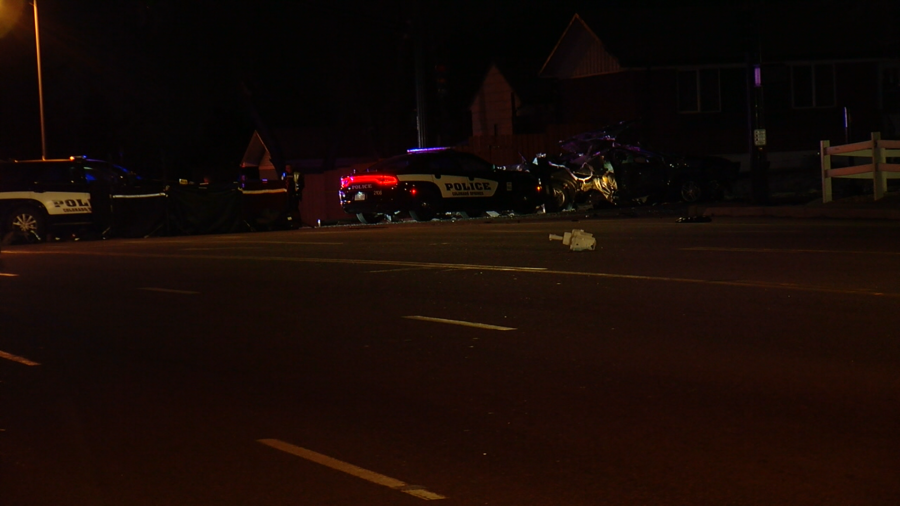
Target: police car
(428,182)
(37,196)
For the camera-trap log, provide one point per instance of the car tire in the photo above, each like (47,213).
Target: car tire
(690,191)
(426,209)
(369,218)
(715,190)
(526,206)
(27,224)
(559,198)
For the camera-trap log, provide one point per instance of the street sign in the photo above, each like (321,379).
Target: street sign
(759,137)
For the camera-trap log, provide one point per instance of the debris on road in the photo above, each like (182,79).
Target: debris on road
(694,219)
(577,240)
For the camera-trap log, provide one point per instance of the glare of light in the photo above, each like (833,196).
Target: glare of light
(425,150)
(379,179)
(10,12)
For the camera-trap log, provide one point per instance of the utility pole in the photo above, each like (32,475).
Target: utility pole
(421,95)
(756,118)
(37,45)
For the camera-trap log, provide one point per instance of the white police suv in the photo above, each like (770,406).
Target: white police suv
(38,196)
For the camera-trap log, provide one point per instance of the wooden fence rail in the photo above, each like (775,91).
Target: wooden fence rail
(877,169)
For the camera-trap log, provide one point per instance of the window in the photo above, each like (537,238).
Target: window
(471,164)
(812,86)
(698,91)
(95,174)
(442,165)
(13,173)
(54,173)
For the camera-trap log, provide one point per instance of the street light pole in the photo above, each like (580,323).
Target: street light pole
(37,45)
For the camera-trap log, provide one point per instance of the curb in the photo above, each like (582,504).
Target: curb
(797,212)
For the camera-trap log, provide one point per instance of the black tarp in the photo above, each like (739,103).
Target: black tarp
(204,209)
(138,216)
(196,209)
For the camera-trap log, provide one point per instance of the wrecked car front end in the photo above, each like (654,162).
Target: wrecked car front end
(599,167)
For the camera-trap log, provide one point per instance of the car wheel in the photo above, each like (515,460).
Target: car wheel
(526,206)
(715,190)
(426,209)
(559,197)
(27,224)
(370,218)
(690,192)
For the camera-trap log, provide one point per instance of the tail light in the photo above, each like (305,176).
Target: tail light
(376,179)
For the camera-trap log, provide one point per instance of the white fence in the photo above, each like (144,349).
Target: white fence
(877,169)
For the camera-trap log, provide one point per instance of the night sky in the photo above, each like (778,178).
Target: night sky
(153,83)
(179,85)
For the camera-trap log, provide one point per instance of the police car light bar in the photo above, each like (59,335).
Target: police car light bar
(424,150)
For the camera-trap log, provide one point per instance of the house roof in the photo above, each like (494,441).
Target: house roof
(578,53)
(524,82)
(710,34)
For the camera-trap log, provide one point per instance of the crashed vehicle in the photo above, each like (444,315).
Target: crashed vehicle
(565,186)
(597,167)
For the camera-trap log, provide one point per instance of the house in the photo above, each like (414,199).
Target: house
(515,116)
(705,78)
(495,104)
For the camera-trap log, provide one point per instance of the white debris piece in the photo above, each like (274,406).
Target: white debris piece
(577,240)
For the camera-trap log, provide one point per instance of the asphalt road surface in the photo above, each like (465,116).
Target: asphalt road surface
(738,362)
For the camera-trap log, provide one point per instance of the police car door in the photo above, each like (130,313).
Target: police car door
(101,183)
(61,188)
(473,186)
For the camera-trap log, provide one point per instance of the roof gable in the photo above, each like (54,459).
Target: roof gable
(579,53)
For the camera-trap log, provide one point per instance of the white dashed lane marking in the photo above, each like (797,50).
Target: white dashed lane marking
(344,467)
(458,322)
